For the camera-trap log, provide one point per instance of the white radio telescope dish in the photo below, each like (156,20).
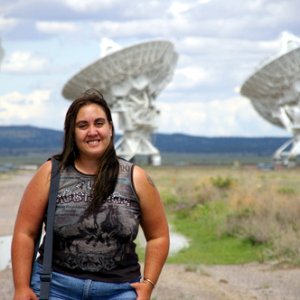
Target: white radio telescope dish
(274,91)
(130,80)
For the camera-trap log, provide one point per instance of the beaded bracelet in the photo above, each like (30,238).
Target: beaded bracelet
(147,280)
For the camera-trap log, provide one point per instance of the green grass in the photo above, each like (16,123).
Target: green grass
(231,214)
(34,159)
(201,225)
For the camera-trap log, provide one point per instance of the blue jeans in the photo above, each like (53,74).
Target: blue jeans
(64,287)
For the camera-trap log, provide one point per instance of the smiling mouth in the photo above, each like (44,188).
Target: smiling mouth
(93,142)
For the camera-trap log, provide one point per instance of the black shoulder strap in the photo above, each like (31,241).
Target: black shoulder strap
(48,250)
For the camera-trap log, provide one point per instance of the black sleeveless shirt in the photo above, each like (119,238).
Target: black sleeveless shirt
(99,247)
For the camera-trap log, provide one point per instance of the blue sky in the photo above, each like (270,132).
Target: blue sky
(219,44)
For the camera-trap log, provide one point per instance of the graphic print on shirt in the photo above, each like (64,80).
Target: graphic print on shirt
(98,242)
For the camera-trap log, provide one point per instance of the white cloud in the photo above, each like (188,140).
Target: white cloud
(177,8)
(56,27)
(24,62)
(229,117)
(88,5)
(17,108)
(191,76)
(219,45)
(283,11)
(7,23)
(204,1)
(153,27)
(255,5)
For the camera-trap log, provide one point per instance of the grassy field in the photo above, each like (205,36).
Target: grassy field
(230,211)
(168,159)
(232,215)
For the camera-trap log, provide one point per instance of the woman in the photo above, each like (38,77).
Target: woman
(101,202)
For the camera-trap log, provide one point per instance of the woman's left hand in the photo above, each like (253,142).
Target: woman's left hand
(143,290)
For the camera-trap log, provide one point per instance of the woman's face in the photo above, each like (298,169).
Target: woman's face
(93,132)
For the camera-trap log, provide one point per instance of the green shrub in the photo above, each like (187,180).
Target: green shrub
(232,215)
(286,191)
(222,182)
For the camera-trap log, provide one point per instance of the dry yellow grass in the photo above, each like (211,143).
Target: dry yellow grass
(264,206)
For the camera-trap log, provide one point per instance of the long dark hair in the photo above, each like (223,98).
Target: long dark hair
(108,169)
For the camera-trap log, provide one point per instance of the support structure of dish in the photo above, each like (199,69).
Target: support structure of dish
(130,80)
(274,91)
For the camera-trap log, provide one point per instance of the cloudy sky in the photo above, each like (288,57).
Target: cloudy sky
(219,44)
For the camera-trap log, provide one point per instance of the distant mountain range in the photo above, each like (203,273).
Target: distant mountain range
(17,140)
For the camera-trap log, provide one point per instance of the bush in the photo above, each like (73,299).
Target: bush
(259,208)
(222,182)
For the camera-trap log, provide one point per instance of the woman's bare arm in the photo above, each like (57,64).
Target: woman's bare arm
(155,226)
(27,226)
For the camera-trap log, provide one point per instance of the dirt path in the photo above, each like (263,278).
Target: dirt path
(11,190)
(247,282)
(241,282)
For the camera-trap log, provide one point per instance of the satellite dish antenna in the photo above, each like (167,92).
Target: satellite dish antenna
(274,91)
(130,80)
(108,46)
